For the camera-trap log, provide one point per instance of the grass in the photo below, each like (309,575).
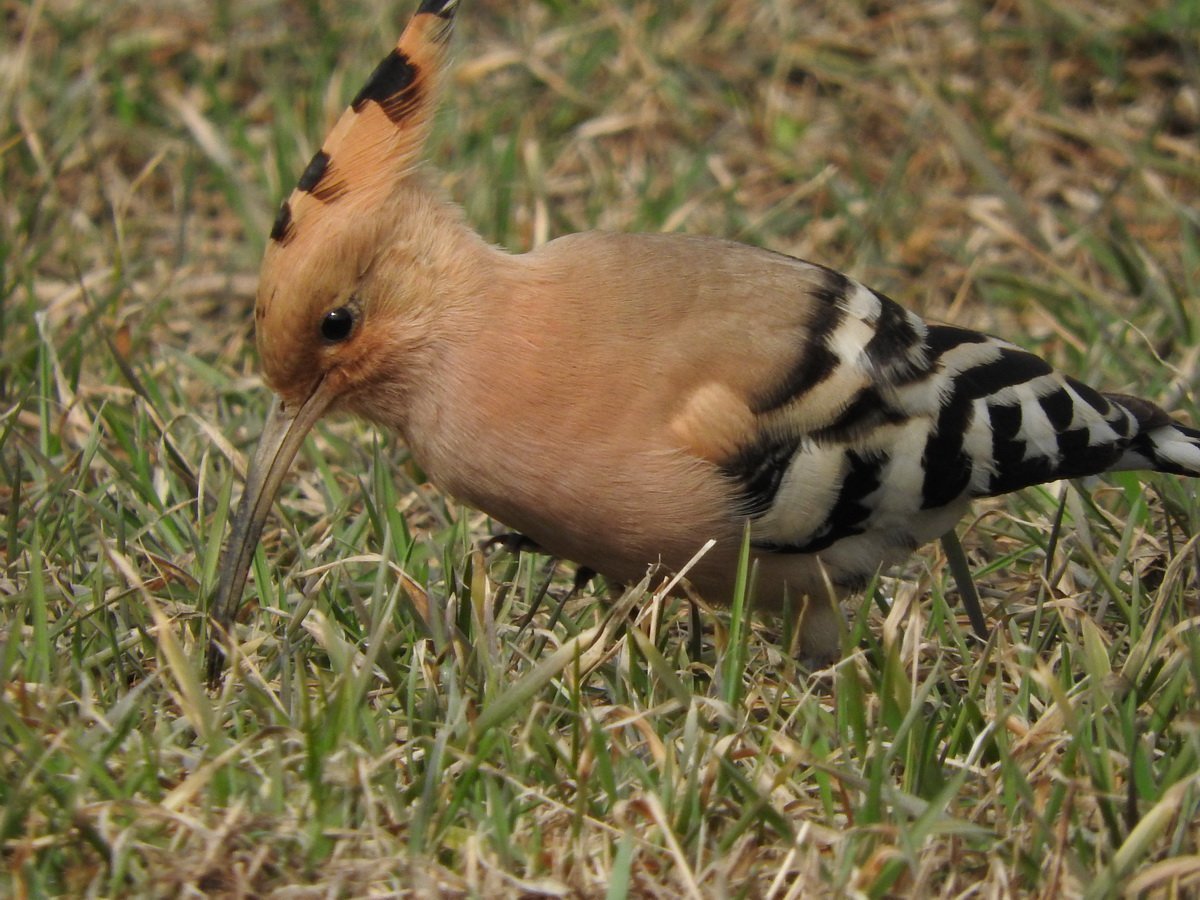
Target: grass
(393,725)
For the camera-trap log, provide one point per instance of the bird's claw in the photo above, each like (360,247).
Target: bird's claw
(511,542)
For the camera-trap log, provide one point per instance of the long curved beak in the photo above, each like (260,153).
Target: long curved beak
(282,435)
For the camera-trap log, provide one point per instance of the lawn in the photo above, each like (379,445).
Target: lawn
(411,716)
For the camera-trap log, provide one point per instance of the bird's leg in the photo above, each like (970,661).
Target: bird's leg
(583,575)
(695,625)
(516,543)
(961,570)
(511,542)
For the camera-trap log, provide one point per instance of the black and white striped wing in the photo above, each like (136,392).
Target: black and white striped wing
(886,427)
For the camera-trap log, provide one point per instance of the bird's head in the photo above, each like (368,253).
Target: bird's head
(346,282)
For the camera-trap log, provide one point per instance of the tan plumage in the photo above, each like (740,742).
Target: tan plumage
(622,399)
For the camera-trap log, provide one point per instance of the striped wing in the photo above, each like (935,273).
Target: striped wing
(934,416)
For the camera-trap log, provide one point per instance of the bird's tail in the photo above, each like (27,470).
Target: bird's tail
(1161,443)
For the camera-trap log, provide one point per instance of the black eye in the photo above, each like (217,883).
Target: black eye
(337,324)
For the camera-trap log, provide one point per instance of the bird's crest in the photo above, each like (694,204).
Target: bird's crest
(377,141)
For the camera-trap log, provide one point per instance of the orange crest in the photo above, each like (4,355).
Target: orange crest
(376,142)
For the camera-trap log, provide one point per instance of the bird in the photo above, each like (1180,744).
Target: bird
(619,400)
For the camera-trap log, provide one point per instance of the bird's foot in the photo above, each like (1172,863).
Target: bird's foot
(583,575)
(511,542)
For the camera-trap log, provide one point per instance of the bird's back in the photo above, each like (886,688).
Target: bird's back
(640,394)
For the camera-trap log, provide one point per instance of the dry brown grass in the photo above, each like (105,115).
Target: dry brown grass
(1032,171)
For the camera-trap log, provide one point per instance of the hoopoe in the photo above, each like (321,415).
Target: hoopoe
(622,399)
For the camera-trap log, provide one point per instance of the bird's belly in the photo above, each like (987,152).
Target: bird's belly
(660,507)
(615,512)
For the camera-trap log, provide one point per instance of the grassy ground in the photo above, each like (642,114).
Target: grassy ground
(1030,169)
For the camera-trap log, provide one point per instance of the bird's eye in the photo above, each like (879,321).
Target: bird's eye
(337,324)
